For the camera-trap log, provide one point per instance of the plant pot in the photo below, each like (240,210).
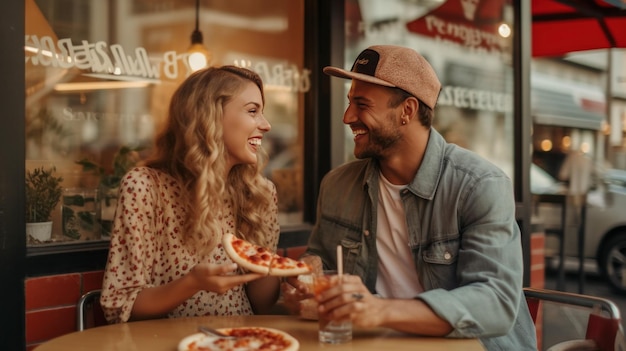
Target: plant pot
(41,231)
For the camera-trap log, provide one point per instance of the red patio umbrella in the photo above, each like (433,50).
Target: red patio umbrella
(563,26)
(472,23)
(558,26)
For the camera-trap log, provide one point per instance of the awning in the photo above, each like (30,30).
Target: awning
(564,26)
(559,27)
(568,104)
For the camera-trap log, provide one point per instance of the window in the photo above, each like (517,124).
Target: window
(99,75)
(469,45)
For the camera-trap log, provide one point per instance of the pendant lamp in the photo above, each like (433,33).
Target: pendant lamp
(198,56)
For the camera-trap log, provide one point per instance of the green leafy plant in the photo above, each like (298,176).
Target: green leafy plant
(43,193)
(125,158)
(79,213)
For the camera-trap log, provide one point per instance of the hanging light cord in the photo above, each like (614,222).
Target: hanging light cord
(196,36)
(197,14)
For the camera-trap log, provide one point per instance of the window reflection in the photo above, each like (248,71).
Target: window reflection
(99,76)
(463,42)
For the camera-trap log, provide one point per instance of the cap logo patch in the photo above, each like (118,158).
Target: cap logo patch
(366,62)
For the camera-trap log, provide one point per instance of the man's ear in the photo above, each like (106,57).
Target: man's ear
(410,107)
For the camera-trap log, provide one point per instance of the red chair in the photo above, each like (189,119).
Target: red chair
(603,331)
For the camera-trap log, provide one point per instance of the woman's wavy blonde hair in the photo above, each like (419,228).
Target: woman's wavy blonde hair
(191,149)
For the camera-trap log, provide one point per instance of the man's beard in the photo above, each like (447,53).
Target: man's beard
(381,140)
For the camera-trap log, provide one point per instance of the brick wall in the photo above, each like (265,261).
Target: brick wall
(537,275)
(51,304)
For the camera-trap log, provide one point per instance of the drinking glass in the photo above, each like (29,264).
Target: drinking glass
(331,331)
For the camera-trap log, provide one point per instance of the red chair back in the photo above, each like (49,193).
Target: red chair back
(603,324)
(602,330)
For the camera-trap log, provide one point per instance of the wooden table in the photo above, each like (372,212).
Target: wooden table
(165,334)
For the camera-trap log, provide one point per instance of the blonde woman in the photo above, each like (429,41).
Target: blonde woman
(203,180)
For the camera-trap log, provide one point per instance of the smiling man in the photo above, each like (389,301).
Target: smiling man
(427,228)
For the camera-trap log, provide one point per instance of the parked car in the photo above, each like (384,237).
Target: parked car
(605,222)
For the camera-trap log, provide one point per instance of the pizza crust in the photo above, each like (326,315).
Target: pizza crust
(227,242)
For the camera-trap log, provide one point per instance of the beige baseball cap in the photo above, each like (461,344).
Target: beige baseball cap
(394,66)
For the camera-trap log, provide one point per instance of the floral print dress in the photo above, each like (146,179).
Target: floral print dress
(146,249)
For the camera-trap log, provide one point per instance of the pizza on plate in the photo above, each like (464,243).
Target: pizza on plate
(248,339)
(258,259)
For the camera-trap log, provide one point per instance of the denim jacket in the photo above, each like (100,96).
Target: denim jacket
(466,245)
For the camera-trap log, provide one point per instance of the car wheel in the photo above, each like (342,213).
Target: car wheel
(613,261)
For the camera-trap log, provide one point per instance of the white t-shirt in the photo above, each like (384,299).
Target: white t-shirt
(397,277)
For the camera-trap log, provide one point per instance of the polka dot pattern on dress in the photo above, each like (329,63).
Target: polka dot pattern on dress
(147,250)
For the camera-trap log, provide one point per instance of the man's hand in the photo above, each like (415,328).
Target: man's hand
(350,299)
(295,291)
(298,291)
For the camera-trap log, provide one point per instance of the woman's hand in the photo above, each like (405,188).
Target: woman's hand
(157,301)
(219,278)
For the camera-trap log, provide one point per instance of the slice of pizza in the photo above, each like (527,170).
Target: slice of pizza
(247,339)
(258,259)
(285,266)
(247,255)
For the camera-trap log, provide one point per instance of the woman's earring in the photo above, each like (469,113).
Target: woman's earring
(403,122)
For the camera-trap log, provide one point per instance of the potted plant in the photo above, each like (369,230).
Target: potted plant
(124,159)
(43,193)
